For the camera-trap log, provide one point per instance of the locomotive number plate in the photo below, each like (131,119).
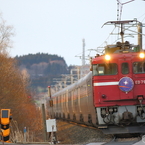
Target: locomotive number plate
(137,82)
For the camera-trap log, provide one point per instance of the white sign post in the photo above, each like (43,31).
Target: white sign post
(51,127)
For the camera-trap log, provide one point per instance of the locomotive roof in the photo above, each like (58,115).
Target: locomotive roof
(114,57)
(125,28)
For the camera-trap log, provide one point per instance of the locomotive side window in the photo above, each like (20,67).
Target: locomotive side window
(139,67)
(104,69)
(125,68)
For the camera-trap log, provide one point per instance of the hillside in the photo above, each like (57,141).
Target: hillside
(41,69)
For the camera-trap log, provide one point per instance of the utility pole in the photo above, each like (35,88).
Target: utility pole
(44,123)
(140,35)
(83,53)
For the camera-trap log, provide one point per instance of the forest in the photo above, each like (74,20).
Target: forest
(41,69)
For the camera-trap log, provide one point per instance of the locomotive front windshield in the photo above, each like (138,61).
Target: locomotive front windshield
(104,69)
(139,67)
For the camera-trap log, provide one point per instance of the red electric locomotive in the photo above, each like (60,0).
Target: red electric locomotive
(112,96)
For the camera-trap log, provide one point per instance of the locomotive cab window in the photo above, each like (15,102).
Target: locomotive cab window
(104,69)
(125,68)
(139,67)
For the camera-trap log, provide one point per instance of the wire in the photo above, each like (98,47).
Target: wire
(121,8)
(141,16)
(108,36)
(126,108)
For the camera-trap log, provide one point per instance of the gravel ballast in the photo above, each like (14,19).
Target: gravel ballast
(68,133)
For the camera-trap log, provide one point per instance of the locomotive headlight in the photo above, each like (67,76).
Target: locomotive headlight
(142,55)
(107,57)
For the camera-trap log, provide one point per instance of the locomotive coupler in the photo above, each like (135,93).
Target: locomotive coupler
(127,118)
(127,115)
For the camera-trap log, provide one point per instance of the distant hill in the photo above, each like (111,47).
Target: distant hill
(42,68)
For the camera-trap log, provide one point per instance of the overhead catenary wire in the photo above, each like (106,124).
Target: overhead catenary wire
(142,16)
(119,10)
(107,37)
(119,14)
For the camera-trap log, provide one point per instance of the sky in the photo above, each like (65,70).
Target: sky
(58,26)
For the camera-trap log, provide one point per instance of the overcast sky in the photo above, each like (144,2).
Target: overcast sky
(58,26)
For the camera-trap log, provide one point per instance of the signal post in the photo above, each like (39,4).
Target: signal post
(51,123)
(5,118)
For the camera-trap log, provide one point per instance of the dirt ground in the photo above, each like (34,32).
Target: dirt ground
(73,134)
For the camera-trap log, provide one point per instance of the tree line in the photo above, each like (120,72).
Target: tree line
(38,58)
(42,68)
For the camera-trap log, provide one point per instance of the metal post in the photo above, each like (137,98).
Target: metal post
(83,53)
(53,136)
(25,137)
(140,35)
(44,123)
(51,101)
(78,73)
(25,130)
(52,139)
(71,76)
(49,92)
(2,138)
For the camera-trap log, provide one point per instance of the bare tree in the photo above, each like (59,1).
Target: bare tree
(6,32)
(14,91)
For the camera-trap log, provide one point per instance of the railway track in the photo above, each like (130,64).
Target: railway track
(83,125)
(73,133)
(93,134)
(124,141)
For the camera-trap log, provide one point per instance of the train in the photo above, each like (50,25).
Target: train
(111,96)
